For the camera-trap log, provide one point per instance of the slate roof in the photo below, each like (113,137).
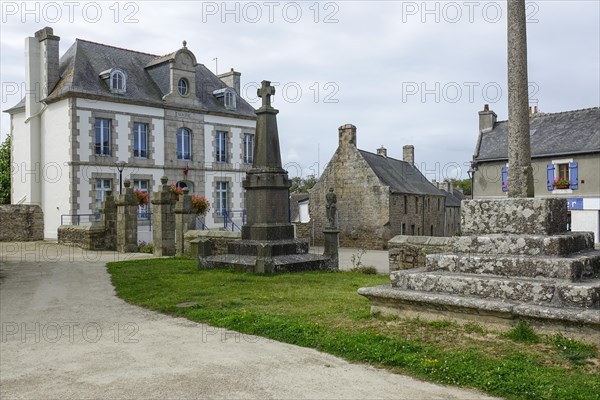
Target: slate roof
(147,78)
(453,199)
(399,175)
(569,132)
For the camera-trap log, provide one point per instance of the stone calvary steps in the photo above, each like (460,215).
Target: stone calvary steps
(534,273)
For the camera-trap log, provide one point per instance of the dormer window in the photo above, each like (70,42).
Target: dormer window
(116,80)
(183,87)
(228,95)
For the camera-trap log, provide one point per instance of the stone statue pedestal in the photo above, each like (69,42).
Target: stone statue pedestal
(332,244)
(516,262)
(268,243)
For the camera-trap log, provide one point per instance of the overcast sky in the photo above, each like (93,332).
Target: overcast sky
(403,72)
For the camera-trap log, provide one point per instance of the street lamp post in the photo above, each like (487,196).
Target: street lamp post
(120,167)
(471,172)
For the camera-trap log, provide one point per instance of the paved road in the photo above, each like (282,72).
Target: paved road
(66,335)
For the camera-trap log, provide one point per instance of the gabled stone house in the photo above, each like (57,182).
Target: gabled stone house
(565,155)
(378,197)
(98,105)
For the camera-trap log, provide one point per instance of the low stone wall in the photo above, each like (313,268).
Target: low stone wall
(86,237)
(304,230)
(218,238)
(406,252)
(21,223)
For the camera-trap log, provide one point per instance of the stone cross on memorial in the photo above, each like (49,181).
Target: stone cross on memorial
(265,92)
(520,173)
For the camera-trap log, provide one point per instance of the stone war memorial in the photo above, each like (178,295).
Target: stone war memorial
(267,244)
(515,262)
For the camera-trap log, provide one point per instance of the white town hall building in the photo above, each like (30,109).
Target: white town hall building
(99,105)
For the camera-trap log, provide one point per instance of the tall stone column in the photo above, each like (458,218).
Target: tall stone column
(127,207)
(163,221)
(109,221)
(520,175)
(185,219)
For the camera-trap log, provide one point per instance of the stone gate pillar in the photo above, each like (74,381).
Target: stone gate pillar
(109,221)
(163,221)
(185,219)
(127,207)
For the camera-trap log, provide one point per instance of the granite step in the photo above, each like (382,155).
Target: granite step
(523,290)
(576,267)
(273,247)
(532,245)
(286,263)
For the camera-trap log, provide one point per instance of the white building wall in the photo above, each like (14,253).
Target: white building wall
(55,156)
(122,131)
(159,141)
(120,108)
(20,159)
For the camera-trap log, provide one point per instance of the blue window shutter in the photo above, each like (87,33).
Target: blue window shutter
(550,174)
(505,179)
(573,175)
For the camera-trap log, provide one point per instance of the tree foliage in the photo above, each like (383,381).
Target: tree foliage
(302,185)
(464,184)
(5,171)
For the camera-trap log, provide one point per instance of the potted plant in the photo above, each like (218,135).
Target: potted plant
(142,197)
(200,204)
(561,183)
(176,191)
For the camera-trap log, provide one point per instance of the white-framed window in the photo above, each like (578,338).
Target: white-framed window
(102,186)
(221,201)
(142,185)
(140,140)
(118,81)
(184,144)
(102,143)
(183,87)
(229,99)
(563,175)
(248,148)
(221,150)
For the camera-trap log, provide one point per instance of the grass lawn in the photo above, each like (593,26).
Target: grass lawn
(323,311)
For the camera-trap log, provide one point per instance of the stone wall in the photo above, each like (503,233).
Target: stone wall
(218,238)
(21,223)
(86,237)
(305,231)
(422,215)
(407,252)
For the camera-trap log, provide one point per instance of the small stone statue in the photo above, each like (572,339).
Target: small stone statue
(331,207)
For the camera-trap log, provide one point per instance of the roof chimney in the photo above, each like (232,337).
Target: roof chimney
(487,118)
(49,74)
(347,135)
(382,151)
(408,154)
(232,79)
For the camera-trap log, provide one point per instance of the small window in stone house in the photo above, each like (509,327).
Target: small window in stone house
(431,233)
(405,204)
(248,148)
(221,150)
(412,230)
(403,231)
(118,81)
(221,198)
(184,143)
(229,100)
(416,205)
(102,187)
(102,131)
(438,204)
(183,87)
(140,140)
(563,171)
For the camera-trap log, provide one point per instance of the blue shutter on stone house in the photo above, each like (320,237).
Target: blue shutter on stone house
(573,175)
(505,179)
(550,175)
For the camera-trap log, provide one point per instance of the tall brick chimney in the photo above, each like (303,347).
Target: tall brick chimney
(487,118)
(382,151)
(232,79)
(347,135)
(408,154)
(49,71)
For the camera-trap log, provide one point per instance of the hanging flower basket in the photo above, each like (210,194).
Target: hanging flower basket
(142,197)
(561,184)
(200,204)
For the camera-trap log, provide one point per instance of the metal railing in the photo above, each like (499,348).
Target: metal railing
(229,223)
(80,219)
(200,225)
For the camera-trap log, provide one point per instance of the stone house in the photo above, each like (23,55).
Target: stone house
(452,204)
(378,197)
(98,105)
(565,153)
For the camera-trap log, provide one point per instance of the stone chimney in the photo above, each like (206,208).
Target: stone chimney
(449,187)
(49,61)
(347,135)
(232,79)
(487,118)
(408,154)
(382,151)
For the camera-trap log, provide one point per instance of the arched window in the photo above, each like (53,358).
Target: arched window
(184,144)
(118,81)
